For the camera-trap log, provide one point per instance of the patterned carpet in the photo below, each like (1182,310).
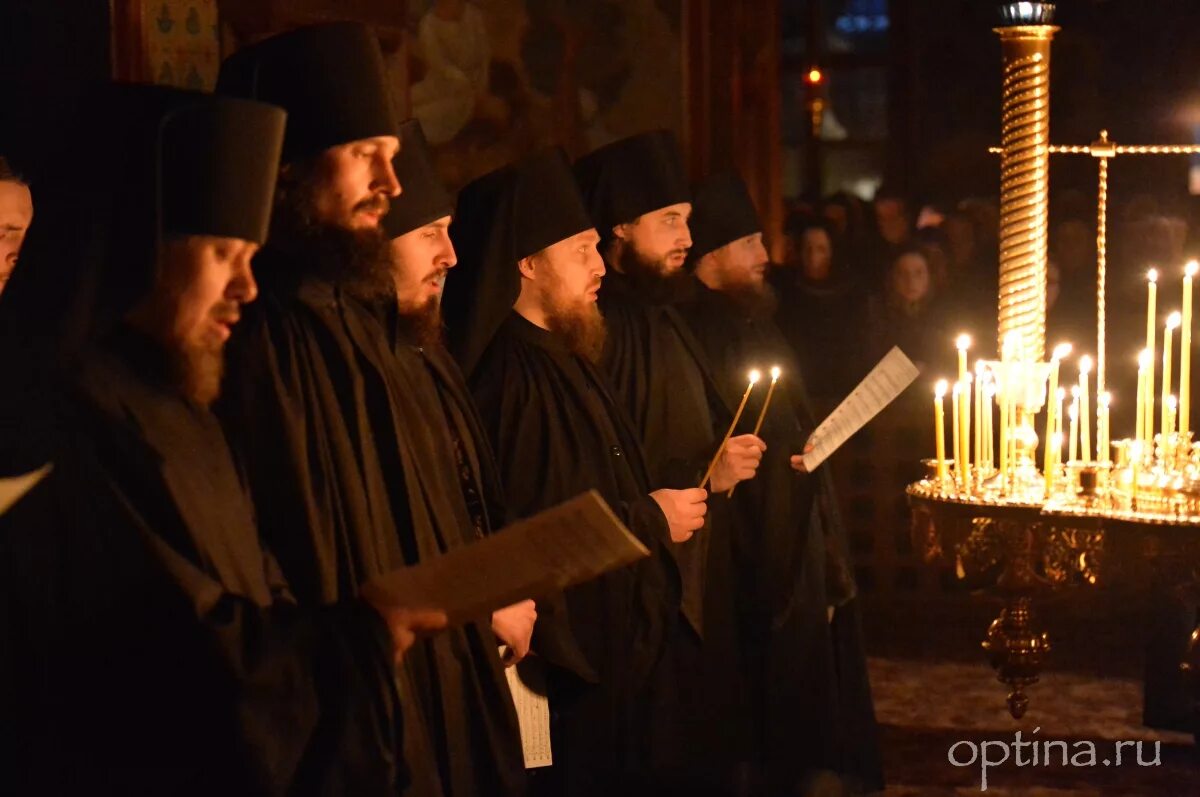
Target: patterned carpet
(933,689)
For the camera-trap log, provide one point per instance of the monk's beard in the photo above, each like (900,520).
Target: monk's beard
(422,325)
(757,300)
(197,369)
(653,278)
(581,326)
(358,261)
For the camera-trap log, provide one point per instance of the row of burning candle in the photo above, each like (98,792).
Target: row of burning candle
(976,394)
(1146,377)
(980,395)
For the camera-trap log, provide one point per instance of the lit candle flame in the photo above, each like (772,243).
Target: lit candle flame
(1075,391)
(1191,268)
(1062,393)
(1174,320)
(1105,399)
(939,390)
(1152,275)
(1144,359)
(775,372)
(755,376)
(963,342)
(1085,364)
(1061,351)
(1172,403)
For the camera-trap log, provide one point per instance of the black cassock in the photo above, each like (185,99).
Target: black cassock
(810,690)
(558,432)
(148,644)
(354,470)
(660,377)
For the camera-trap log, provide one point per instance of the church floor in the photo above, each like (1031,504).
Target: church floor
(934,690)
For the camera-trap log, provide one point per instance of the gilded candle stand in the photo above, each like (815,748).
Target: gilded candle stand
(1032,549)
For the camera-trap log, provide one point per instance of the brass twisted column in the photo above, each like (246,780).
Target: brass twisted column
(1024,184)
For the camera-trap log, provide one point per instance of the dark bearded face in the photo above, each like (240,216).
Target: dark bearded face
(569,274)
(193,306)
(357,259)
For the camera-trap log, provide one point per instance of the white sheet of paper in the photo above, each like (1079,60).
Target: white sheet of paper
(528,687)
(887,379)
(562,546)
(13,488)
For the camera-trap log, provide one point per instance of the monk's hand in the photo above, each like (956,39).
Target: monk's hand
(513,625)
(684,510)
(405,625)
(798,460)
(738,462)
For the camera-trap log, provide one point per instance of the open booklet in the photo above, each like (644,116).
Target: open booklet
(13,488)
(887,380)
(562,546)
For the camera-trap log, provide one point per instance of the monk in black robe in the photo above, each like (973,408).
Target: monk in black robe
(353,460)
(148,643)
(525,322)
(813,710)
(639,200)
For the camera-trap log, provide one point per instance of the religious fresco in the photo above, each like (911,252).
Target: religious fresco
(169,42)
(491,80)
(180,42)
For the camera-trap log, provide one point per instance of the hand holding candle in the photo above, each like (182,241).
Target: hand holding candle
(762,413)
(737,416)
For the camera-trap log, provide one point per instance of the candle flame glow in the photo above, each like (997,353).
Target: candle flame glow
(1057,439)
(1172,402)
(1105,399)
(1173,320)
(1074,391)
(963,341)
(1152,275)
(939,390)
(1144,358)
(1085,364)
(755,376)
(1061,351)
(775,372)
(1062,393)
(1191,268)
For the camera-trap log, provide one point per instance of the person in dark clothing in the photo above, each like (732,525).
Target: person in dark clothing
(361,454)
(417,226)
(639,200)
(811,698)
(523,315)
(821,312)
(908,313)
(149,643)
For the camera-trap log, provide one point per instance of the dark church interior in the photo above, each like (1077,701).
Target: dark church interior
(223,506)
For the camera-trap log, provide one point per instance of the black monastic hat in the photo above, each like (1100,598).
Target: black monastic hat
(500,219)
(631,177)
(722,212)
(329,78)
(423,197)
(168,162)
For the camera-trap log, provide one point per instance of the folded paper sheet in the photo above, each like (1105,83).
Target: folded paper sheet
(562,546)
(527,682)
(887,380)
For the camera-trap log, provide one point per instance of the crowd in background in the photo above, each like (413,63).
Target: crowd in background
(859,277)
